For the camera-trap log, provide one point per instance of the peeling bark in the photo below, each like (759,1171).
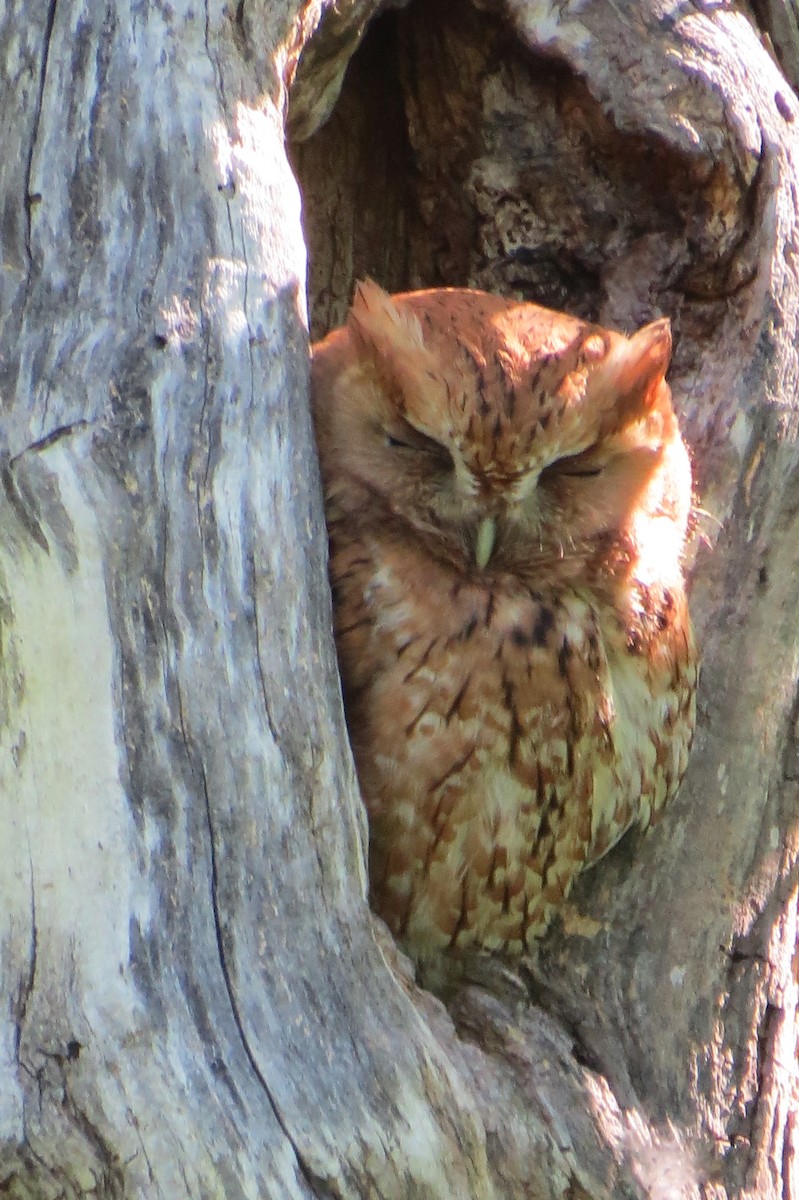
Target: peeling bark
(198,1001)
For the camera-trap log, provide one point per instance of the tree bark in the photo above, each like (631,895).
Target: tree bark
(198,1000)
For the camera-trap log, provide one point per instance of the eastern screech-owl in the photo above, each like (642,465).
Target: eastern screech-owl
(507,497)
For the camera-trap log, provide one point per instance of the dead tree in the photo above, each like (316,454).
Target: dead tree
(198,1002)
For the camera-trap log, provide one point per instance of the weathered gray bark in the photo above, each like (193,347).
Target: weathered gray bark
(197,1001)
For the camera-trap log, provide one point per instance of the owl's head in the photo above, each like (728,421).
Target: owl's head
(502,434)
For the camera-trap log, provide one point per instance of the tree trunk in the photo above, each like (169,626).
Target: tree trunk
(199,1002)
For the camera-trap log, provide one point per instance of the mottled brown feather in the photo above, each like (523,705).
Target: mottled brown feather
(510,718)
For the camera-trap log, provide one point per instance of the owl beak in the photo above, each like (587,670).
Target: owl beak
(486,537)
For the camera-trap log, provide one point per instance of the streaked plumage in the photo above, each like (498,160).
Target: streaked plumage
(507,498)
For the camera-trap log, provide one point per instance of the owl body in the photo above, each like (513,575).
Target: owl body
(507,497)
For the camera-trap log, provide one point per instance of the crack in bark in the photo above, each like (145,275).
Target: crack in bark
(212,58)
(111,1182)
(30,198)
(50,439)
(206,332)
(313,1180)
(27,984)
(315,1183)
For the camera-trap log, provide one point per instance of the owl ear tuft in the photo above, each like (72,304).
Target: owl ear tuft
(642,364)
(379,326)
(390,335)
(650,350)
(636,367)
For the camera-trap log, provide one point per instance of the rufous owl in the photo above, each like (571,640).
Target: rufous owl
(507,497)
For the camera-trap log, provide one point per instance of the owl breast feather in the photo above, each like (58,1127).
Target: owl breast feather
(504,739)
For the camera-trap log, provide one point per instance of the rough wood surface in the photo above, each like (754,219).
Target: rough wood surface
(197,1000)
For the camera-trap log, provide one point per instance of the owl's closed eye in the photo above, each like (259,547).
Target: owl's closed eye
(507,496)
